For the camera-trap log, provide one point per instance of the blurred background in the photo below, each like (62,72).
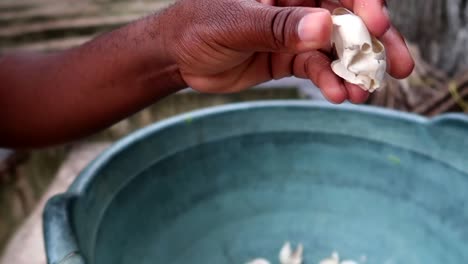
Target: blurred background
(436,32)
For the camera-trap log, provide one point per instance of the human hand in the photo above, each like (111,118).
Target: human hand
(223,46)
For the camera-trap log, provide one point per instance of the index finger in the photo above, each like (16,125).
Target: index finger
(375,15)
(373,12)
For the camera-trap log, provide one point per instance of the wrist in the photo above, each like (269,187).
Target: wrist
(161,28)
(157,59)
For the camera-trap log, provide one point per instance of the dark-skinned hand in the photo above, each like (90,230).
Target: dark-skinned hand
(228,45)
(214,46)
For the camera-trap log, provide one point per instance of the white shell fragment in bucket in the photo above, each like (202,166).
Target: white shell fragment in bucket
(259,261)
(361,57)
(288,256)
(335,259)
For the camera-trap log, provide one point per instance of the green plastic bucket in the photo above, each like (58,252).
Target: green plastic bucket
(232,183)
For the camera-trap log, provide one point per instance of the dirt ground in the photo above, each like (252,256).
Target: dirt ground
(45,25)
(27,245)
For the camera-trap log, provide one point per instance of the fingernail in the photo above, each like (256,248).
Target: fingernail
(315,27)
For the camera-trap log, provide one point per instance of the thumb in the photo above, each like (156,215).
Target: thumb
(284,29)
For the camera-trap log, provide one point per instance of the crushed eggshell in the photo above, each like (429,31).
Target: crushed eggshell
(259,261)
(348,262)
(361,57)
(334,259)
(288,256)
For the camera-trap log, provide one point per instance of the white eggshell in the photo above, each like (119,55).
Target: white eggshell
(361,57)
(288,256)
(259,261)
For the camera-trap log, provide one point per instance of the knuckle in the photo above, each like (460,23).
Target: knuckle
(280,27)
(317,64)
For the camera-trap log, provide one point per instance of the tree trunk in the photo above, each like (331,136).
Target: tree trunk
(438,27)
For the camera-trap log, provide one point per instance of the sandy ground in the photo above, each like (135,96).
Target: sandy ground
(27,245)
